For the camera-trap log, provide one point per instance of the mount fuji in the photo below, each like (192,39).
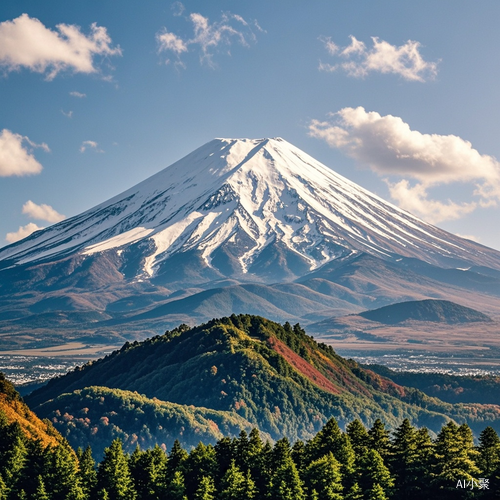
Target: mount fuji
(238,225)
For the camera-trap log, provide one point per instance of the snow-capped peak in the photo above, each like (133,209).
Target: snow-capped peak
(232,199)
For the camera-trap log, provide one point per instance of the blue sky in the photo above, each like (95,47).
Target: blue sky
(400,97)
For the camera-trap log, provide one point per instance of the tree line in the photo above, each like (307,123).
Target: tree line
(355,464)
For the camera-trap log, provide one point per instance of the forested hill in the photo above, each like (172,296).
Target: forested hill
(274,376)
(355,464)
(14,412)
(438,311)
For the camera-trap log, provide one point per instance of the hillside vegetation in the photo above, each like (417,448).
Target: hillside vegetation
(95,416)
(275,377)
(357,463)
(14,411)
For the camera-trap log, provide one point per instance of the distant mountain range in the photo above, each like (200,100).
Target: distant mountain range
(237,226)
(245,369)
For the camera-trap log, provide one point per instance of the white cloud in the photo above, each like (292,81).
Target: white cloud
(77,94)
(26,43)
(90,145)
(209,38)
(42,212)
(15,157)
(68,114)
(405,60)
(22,232)
(171,42)
(416,200)
(390,148)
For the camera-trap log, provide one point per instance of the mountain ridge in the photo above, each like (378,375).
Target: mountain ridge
(275,376)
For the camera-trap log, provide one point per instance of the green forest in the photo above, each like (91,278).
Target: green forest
(241,408)
(357,463)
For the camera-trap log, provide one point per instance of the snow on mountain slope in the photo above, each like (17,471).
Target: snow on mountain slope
(240,203)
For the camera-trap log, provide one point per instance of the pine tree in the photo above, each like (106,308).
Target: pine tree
(113,474)
(3,489)
(148,470)
(176,488)
(331,439)
(206,489)
(236,485)
(404,461)
(489,451)
(13,456)
(358,437)
(87,471)
(225,453)
(200,462)
(323,477)
(379,439)
(372,471)
(285,482)
(454,459)
(355,493)
(40,492)
(376,493)
(62,479)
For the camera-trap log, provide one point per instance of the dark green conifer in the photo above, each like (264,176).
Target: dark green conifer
(489,451)
(200,462)
(236,485)
(285,482)
(323,478)
(358,437)
(113,474)
(61,480)
(454,459)
(87,471)
(176,488)
(372,471)
(3,489)
(376,493)
(13,455)
(379,439)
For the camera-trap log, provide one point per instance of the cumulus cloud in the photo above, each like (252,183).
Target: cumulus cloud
(390,148)
(208,37)
(90,145)
(42,212)
(77,94)
(26,43)
(22,232)
(358,61)
(68,114)
(16,155)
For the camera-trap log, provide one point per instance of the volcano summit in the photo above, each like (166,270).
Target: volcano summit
(236,223)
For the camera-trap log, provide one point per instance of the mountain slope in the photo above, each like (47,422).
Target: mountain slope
(13,409)
(218,232)
(276,377)
(98,415)
(244,207)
